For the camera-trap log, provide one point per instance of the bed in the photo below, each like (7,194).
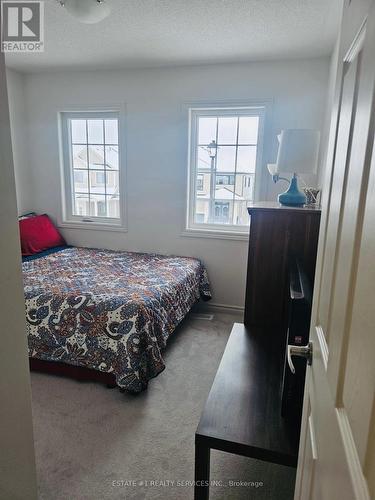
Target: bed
(108,312)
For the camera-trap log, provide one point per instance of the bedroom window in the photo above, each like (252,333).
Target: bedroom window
(224,165)
(200,182)
(91,169)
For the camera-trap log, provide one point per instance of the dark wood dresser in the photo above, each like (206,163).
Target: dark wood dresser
(278,235)
(243,412)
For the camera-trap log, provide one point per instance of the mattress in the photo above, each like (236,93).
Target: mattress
(108,311)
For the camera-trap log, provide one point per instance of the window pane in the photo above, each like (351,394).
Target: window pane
(78,131)
(95,131)
(226,158)
(207,129)
(201,211)
(224,185)
(111,157)
(248,130)
(224,193)
(225,180)
(240,214)
(81,181)
(81,205)
(79,153)
(96,157)
(100,178)
(204,160)
(112,186)
(94,166)
(113,206)
(111,131)
(222,212)
(98,205)
(203,186)
(97,182)
(200,183)
(246,158)
(227,131)
(245,186)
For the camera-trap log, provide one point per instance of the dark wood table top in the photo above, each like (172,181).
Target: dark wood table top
(243,410)
(274,205)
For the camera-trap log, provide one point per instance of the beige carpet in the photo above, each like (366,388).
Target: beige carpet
(95,443)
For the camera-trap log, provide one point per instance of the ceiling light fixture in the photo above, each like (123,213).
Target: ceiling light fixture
(87,11)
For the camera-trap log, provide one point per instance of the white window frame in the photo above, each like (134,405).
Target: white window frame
(226,231)
(68,218)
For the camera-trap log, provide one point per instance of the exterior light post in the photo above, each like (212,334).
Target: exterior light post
(212,152)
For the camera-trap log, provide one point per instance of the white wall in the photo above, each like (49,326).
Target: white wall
(331,86)
(18,116)
(156,139)
(17,462)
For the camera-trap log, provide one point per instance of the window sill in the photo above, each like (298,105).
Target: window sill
(216,234)
(93,226)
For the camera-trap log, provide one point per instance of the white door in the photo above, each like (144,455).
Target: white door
(17,461)
(337,447)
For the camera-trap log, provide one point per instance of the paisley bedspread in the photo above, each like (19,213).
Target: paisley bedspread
(109,311)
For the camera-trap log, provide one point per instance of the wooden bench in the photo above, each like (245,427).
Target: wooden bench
(242,414)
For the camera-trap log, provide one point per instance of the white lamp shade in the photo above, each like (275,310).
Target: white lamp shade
(298,151)
(272,168)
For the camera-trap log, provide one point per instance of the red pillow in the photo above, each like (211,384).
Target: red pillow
(37,234)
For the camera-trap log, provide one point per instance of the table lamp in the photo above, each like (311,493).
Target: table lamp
(298,154)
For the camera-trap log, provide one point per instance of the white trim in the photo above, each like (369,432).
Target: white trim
(323,345)
(354,464)
(92,108)
(314,451)
(66,217)
(216,307)
(201,316)
(92,226)
(357,43)
(218,234)
(256,107)
(227,103)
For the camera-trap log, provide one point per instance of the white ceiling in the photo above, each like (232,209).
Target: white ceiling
(141,33)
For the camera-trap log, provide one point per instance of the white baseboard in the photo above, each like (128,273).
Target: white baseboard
(216,307)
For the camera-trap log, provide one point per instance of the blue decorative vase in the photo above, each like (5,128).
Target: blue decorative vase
(293,197)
